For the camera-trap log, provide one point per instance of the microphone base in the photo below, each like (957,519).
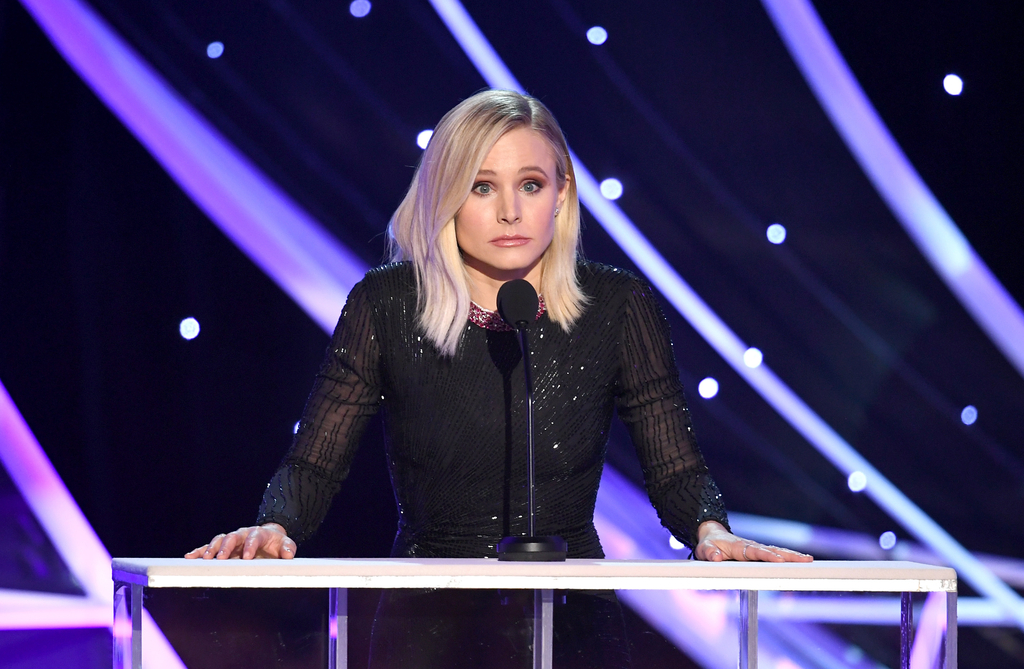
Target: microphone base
(533,549)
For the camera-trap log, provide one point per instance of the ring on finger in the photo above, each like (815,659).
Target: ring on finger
(745,547)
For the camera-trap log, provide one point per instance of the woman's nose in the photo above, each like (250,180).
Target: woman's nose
(508,209)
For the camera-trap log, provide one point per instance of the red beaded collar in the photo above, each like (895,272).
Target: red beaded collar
(490,320)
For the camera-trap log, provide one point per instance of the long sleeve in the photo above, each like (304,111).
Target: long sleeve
(650,402)
(346,393)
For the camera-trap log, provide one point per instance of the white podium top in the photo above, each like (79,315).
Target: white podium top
(480,573)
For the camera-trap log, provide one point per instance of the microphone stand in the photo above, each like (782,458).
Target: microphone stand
(531,502)
(517,304)
(531,547)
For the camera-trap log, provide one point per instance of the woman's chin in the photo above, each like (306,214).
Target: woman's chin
(506,266)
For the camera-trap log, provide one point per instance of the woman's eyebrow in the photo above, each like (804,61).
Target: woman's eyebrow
(528,168)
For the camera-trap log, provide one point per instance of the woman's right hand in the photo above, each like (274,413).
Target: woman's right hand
(263,541)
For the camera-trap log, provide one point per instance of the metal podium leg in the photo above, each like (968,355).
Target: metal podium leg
(122,625)
(906,629)
(748,629)
(337,629)
(543,628)
(127,626)
(949,657)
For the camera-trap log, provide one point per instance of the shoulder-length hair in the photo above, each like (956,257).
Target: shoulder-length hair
(422,229)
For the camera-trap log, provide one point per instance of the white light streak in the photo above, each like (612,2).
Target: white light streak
(908,197)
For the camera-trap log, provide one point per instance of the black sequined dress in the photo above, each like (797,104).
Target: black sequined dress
(456,439)
(455,427)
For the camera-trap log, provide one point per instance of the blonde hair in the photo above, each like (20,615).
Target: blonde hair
(422,229)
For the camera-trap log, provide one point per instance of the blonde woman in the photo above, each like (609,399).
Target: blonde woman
(493,199)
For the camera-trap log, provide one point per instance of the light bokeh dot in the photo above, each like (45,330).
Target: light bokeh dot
(776,233)
(611,189)
(969,415)
(676,544)
(707,388)
(423,138)
(887,541)
(597,35)
(188,328)
(295,428)
(359,8)
(215,49)
(753,357)
(953,84)
(857,481)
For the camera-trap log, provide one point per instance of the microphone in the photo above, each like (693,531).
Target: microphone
(518,303)
(517,306)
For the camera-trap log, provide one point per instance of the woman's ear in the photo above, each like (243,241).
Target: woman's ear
(562,192)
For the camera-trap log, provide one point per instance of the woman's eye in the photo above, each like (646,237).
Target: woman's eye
(531,187)
(482,189)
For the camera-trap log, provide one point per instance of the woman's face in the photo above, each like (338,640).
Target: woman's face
(508,220)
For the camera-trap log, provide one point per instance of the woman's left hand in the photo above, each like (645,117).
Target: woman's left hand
(715,544)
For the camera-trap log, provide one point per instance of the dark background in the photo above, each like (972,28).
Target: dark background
(696,107)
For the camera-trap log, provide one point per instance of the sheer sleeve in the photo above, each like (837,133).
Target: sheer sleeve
(346,393)
(650,402)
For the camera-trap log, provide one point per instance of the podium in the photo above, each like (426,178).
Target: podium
(338,575)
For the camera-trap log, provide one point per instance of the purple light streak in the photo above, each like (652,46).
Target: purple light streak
(69,531)
(895,179)
(22,610)
(305,260)
(50,501)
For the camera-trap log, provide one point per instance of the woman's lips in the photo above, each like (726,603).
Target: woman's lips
(507,242)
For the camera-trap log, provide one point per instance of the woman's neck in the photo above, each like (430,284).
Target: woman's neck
(483,286)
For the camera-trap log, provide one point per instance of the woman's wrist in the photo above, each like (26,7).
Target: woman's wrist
(707,527)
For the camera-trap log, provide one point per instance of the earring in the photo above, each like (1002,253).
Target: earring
(557,210)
